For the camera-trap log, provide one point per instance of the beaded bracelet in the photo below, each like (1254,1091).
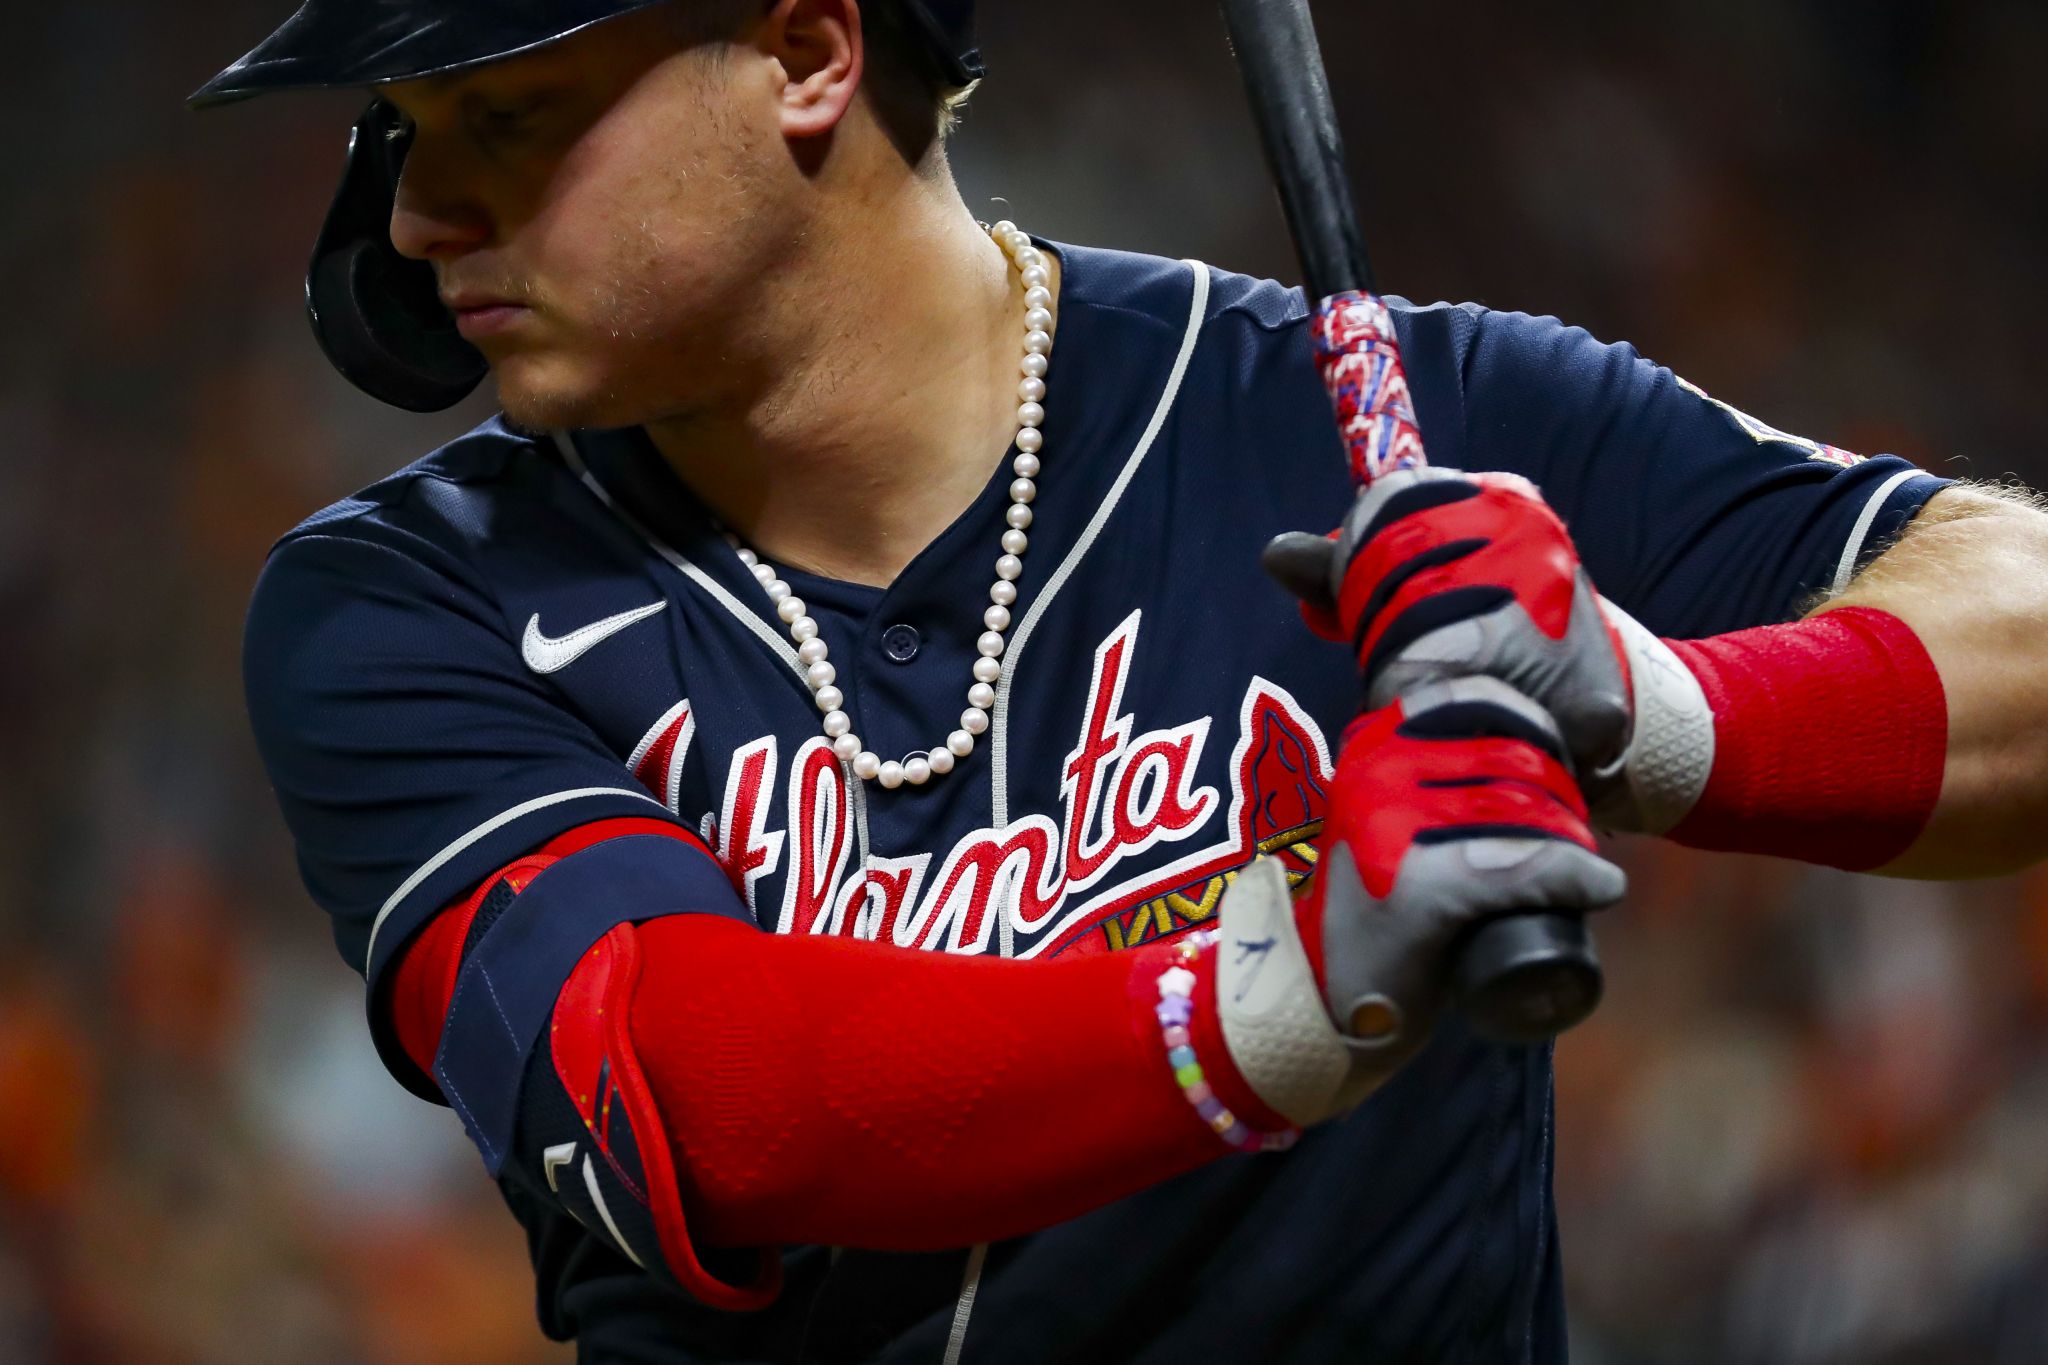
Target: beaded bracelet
(1175,1013)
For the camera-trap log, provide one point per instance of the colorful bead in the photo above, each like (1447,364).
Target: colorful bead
(1175,1012)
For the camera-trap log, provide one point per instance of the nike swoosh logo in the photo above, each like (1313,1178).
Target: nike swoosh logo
(552,654)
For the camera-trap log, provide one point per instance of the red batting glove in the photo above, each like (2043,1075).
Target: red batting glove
(1437,574)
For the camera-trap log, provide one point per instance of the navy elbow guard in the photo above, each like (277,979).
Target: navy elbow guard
(537,1055)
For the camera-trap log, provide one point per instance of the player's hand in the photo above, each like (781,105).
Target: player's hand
(1448,807)
(1437,574)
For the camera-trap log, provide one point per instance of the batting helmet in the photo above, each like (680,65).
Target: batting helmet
(378,315)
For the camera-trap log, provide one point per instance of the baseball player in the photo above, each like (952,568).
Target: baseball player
(823,788)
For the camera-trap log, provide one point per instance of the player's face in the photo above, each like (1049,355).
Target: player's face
(600,214)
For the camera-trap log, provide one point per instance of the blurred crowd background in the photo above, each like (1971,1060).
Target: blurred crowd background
(1806,1128)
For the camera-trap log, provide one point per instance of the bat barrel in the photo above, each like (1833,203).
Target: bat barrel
(1283,72)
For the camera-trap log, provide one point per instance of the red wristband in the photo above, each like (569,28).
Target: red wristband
(1830,736)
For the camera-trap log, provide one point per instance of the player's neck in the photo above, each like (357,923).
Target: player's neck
(893,406)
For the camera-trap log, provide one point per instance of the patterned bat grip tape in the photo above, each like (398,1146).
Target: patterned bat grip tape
(1360,360)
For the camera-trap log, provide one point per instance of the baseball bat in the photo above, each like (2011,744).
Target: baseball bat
(1521,977)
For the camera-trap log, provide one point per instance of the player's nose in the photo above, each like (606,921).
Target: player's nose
(432,216)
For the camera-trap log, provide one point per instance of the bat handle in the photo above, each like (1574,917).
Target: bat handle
(1526,978)
(1517,978)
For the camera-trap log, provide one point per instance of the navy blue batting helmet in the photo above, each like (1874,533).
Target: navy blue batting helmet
(377,315)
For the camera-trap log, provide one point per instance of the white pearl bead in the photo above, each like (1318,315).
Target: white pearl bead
(811,649)
(974,720)
(1032,390)
(1002,229)
(1023,490)
(941,760)
(748,557)
(988,670)
(1015,541)
(917,771)
(846,747)
(1038,342)
(838,725)
(1018,243)
(763,574)
(996,618)
(1034,276)
(1009,567)
(1035,366)
(890,775)
(1003,593)
(981,696)
(960,743)
(1029,257)
(1038,320)
(1019,515)
(830,699)
(1039,297)
(789,608)
(777,590)
(865,764)
(990,644)
(1026,465)
(1031,415)
(804,631)
(821,674)
(1030,440)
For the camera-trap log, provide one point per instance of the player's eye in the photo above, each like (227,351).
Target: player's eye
(511,117)
(504,119)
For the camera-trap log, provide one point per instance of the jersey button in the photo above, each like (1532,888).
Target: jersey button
(901,643)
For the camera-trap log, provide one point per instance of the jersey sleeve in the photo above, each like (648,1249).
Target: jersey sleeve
(1691,515)
(412,753)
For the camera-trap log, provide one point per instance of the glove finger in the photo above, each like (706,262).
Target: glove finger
(1394,951)
(1300,563)
(1579,679)
(1479,708)
(1503,874)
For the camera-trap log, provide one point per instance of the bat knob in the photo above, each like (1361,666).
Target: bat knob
(1526,978)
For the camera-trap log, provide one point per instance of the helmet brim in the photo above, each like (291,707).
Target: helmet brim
(344,44)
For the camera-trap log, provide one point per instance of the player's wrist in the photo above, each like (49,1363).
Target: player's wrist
(1822,739)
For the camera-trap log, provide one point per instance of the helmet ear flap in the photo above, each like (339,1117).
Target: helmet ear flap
(377,315)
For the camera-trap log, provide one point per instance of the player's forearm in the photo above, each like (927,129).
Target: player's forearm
(824,1090)
(1970,578)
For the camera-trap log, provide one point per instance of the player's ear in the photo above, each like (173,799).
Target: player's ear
(819,47)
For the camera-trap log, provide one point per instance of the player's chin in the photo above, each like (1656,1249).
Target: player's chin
(542,392)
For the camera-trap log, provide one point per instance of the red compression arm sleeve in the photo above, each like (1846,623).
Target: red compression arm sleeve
(833,1091)
(1830,737)
(827,1090)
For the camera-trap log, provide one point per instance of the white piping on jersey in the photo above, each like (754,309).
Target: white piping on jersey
(773,638)
(499,821)
(750,619)
(999,742)
(963,1307)
(1846,570)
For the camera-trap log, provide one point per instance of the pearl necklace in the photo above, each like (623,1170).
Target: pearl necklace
(921,766)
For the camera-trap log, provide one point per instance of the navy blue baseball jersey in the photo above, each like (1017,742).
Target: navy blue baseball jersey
(522,634)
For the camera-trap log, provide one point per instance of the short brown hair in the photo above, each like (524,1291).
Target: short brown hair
(913,92)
